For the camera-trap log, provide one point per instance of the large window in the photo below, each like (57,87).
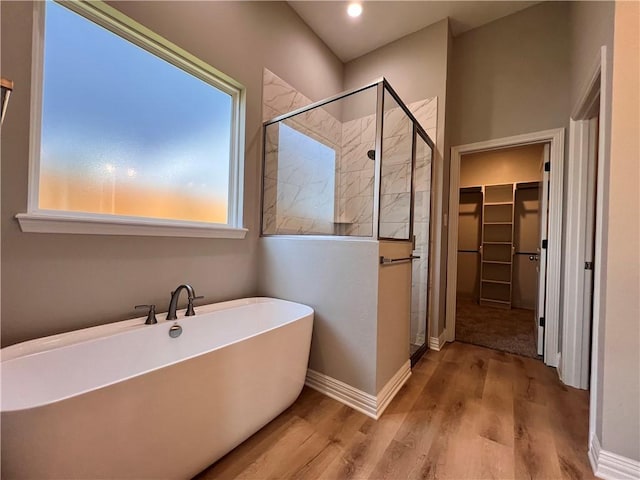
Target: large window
(132,129)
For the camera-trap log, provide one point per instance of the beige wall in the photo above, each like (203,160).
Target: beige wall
(526,241)
(469,238)
(591,26)
(511,76)
(394,309)
(305,269)
(620,414)
(416,67)
(54,283)
(511,165)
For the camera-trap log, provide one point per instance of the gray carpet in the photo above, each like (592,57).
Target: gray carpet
(501,329)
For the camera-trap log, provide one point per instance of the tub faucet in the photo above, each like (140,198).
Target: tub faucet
(173,304)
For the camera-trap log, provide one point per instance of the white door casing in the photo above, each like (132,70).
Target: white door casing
(542,252)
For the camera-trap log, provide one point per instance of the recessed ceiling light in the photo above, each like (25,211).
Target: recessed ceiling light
(354,9)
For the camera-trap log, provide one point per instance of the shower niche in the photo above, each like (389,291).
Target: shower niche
(346,200)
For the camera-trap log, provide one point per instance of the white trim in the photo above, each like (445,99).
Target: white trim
(392,387)
(118,225)
(436,343)
(559,368)
(556,139)
(340,391)
(37,220)
(599,266)
(572,313)
(371,405)
(590,92)
(611,466)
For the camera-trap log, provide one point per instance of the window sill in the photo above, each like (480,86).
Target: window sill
(44,222)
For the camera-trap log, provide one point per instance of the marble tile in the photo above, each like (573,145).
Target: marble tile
(394,230)
(396,178)
(271,139)
(423,177)
(432,133)
(397,150)
(366,181)
(368,130)
(270,194)
(278,95)
(422,206)
(394,208)
(350,184)
(421,231)
(365,229)
(269,224)
(354,158)
(426,112)
(351,131)
(271,165)
(396,122)
(269,113)
(359,210)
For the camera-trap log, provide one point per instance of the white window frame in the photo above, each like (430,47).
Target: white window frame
(56,221)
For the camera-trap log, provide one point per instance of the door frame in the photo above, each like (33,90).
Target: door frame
(555,138)
(575,358)
(575,362)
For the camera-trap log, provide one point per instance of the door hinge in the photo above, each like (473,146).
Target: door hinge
(544,243)
(547,166)
(541,322)
(588,265)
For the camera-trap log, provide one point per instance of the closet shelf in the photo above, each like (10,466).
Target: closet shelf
(496,276)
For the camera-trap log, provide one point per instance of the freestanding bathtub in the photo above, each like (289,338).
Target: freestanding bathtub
(126,400)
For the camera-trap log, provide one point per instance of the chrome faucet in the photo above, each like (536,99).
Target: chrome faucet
(173,304)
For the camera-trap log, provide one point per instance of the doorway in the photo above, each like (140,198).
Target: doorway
(553,168)
(500,267)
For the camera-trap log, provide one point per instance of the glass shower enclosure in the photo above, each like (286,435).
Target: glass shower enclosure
(354,165)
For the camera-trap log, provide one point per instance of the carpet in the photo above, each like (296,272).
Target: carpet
(501,329)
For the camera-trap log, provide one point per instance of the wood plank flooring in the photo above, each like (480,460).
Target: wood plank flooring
(467,412)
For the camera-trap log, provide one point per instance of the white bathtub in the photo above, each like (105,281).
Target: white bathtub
(125,400)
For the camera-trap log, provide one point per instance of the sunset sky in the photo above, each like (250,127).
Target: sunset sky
(113,112)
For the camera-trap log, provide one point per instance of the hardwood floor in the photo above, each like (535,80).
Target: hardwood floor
(467,412)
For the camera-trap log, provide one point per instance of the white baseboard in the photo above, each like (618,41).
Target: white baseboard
(436,343)
(392,387)
(371,405)
(611,466)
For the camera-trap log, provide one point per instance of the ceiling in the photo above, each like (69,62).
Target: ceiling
(382,22)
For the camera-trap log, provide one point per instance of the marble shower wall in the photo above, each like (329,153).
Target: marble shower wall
(355,177)
(301,159)
(356,173)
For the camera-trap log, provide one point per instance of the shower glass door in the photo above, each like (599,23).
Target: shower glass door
(420,274)
(396,172)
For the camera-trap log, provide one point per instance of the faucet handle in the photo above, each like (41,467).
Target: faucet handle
(190,311)
(151,316)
